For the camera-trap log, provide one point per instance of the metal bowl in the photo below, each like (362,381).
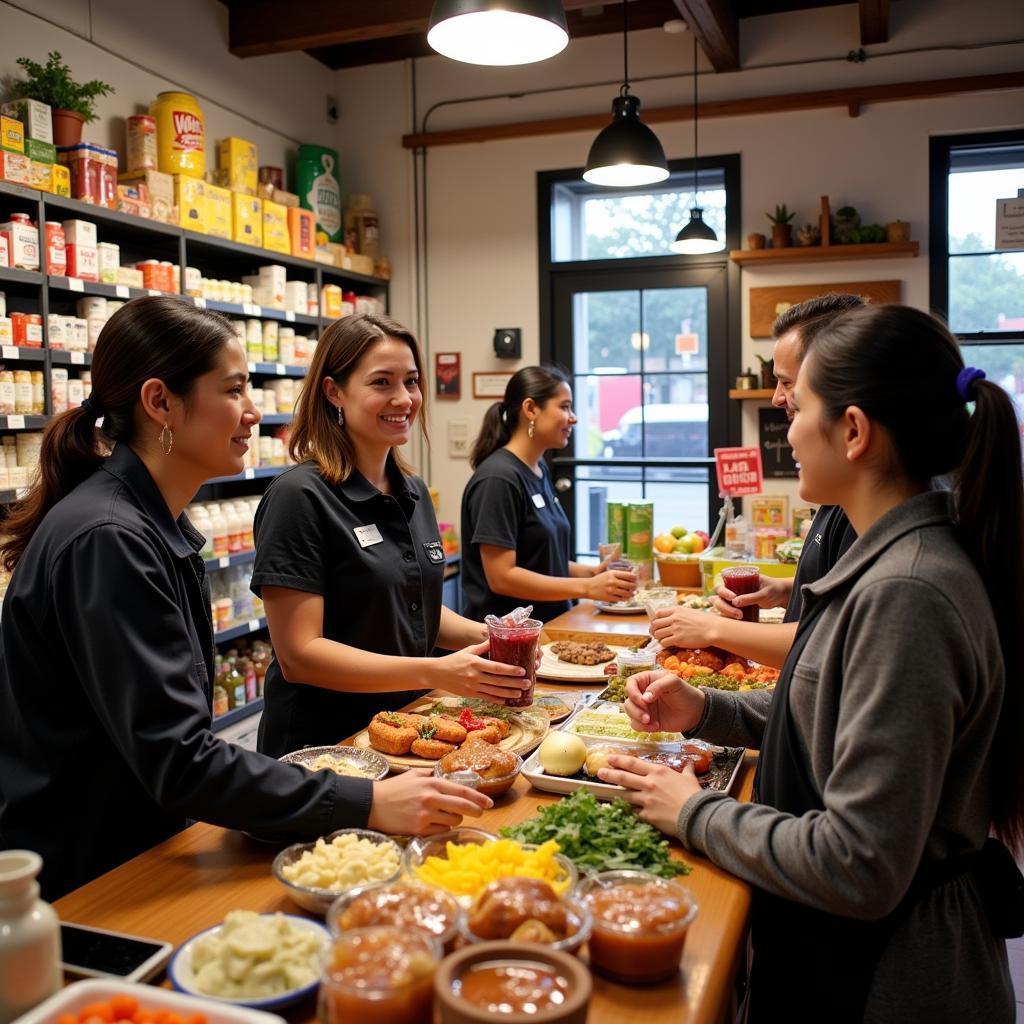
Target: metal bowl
(356,755)
(315,900)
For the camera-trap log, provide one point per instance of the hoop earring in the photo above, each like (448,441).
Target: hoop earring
(341,417)
(530,429)
(167,440)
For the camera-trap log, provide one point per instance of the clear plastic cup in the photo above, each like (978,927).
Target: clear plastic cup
(744,579)
(517,645)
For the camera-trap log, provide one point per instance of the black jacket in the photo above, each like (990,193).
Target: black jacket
(106,661)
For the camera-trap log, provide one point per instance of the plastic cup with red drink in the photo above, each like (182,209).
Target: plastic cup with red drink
(744,579)
(514,642)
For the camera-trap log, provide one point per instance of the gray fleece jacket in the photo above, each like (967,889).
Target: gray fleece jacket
(901,756)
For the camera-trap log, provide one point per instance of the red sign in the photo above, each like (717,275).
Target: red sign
(738,471)
(447,375)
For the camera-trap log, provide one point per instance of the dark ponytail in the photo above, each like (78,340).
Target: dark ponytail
(159,337)
(901,367)
(500,421)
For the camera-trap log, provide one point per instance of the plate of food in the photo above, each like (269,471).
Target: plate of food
(436,726)
(571,757)
(557,706)
(719,669)
(620,607)
(575,662)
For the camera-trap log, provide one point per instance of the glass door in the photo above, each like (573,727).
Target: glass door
(647,354)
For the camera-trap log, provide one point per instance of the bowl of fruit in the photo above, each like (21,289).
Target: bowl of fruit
(678,556)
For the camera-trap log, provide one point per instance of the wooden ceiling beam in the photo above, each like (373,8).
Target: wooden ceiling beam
(874,22)
(851,100)
(717,28)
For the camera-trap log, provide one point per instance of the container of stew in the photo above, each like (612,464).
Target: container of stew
(403,904)
(639,925)
(514,983)
(379,975)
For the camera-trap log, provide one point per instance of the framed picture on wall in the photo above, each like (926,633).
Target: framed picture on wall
(447,375)
(490,385)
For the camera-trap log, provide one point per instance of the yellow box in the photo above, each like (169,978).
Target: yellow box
(713,561)
(275,227)
(247,219)
(42,176)
(190,198)
(61,180)
(218,211)
(12,135)
(238,158)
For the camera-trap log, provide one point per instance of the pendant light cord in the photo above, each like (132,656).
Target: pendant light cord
(624,91)
(695,203)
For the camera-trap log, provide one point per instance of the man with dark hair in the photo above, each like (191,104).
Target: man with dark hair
(830,534)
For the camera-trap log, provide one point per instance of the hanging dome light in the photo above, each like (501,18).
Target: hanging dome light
(697,237)
(626,153)
(497,32)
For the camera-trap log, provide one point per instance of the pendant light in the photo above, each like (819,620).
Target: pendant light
(626,153)
(496,32)
(696,237)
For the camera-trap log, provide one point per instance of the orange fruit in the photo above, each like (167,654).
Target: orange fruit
(664,543)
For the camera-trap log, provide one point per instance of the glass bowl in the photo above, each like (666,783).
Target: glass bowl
(579,914)
(317,900)
(490,787)
(400,911)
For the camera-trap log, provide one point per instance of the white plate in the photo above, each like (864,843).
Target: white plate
(179,971)
(82,993)
(551,667)
(620,608)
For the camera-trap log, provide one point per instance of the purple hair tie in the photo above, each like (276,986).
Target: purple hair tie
(965,378)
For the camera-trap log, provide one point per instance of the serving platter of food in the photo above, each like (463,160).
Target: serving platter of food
(719,669)
(571,756)
(570,661)
(436,726)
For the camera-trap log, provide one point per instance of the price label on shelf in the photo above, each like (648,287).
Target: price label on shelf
(78,358)
(223,562)
(11,352)
(76,284)
(254,624)
(122,291)
(249,309)
(280,369)
(250,474)
(16,422)
(289,316)
(199,301)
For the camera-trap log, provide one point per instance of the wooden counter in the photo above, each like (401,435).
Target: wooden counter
(587,622)
(192,880)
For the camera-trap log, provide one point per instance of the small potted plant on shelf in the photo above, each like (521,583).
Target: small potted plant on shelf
(73,103)
(782,229)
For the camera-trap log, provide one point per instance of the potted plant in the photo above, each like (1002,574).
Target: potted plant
(73,103)
(782,229)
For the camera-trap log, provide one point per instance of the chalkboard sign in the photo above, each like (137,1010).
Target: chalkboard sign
(776,453)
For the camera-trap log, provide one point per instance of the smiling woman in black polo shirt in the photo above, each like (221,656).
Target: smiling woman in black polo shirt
(349,562)
(515,533)
(106,644)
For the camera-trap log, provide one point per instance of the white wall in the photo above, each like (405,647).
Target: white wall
(481,198)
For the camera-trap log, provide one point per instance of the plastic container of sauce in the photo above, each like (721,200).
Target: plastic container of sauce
(639,925)
(382,975)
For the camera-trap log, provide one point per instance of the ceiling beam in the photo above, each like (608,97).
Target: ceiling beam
(717,28)
(874,22)
(848,99)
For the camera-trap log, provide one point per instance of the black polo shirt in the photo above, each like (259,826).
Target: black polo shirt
(377,561)
(106,661)
(507,505)
(831,535)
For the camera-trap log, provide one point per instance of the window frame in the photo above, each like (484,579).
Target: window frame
(940,149)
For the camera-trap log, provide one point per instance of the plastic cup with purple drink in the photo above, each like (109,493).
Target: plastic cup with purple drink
(513,641)
(744,579)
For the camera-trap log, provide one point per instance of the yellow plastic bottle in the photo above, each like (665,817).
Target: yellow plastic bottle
(180,134)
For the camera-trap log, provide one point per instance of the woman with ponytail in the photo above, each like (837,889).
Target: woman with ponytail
(106,643)
(890,785)
(515,533)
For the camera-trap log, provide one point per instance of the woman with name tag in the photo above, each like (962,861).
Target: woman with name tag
(349,561)
(515,532)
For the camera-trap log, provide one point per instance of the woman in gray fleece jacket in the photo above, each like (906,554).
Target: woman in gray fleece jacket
(891,747)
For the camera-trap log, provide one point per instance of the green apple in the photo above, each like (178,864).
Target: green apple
(683,546)
(678,531)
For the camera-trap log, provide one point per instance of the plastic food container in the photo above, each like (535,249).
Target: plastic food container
(580,923)
(640,923)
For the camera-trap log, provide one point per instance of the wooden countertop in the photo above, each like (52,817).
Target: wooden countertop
(586,622)
(192,880)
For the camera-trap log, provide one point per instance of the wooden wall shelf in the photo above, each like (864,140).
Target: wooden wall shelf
(747,394)
(820,253)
